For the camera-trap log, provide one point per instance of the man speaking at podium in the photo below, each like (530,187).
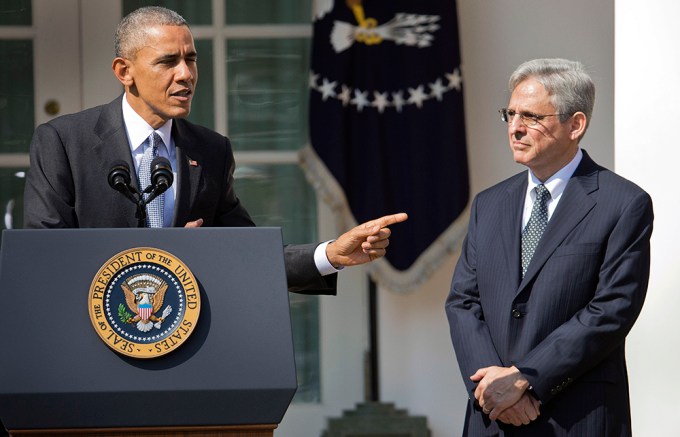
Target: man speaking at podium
(71,157)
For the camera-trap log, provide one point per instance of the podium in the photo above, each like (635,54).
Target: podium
(233,376)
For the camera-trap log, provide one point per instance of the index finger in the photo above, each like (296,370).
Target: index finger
(389,220)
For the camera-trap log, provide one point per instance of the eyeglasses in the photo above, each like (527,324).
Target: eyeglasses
(529,119)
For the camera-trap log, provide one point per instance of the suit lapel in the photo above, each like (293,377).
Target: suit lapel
(574,205)
(112,147)
(510,229)
(188,172)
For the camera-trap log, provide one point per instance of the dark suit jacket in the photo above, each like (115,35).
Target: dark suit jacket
(564,325)
(67,184)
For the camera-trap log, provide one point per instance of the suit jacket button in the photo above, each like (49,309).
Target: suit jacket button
(516,313)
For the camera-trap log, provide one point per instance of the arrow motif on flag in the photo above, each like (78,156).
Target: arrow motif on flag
(403,29)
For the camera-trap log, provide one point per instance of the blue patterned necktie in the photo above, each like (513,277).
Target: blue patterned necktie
(533,231)
(154,210)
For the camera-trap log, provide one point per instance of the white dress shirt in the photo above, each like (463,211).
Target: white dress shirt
(555,185)
(138,132)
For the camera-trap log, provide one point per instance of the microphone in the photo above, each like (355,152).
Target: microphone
(161,180)
(161,174)
(119,177)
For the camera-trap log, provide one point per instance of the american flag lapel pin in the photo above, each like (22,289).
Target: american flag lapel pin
(193,163)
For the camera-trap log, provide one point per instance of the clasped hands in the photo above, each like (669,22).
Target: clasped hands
(502,394)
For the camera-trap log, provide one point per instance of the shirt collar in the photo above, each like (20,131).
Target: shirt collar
(138,130)
(557,182)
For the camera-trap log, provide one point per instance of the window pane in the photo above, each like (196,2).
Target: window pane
(15,13)
(267,11)
(195,12)
(267,93)
(279,195)
(16,96)
(12,197)
(304,312)
(203,103)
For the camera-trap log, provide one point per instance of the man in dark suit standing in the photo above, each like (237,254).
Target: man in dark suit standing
(71,157)
(552,274)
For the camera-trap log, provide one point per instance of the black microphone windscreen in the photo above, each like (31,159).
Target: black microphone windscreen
(161,173)
(119,176)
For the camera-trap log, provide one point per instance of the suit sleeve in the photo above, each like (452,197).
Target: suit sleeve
(302,273)
(49,193)
(598,329)
(469,332)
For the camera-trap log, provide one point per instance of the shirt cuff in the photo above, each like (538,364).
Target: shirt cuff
(321,260)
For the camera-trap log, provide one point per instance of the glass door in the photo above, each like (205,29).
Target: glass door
(17,105)
(49,47)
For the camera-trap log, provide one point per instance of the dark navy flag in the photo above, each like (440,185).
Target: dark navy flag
(387,128)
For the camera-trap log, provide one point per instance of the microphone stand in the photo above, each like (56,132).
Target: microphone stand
(153,191)
(140,215)
(161,179)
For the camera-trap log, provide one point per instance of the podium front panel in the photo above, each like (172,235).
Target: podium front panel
(237,367)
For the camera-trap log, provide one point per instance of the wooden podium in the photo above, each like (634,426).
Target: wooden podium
(233,376)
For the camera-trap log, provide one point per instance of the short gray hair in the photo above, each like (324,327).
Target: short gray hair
(567,82)
(131,31)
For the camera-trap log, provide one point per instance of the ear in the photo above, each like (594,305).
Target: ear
(122,68)
(578,125)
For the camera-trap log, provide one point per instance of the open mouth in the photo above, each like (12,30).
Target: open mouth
(181,94)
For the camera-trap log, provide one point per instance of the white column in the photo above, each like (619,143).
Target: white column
(647,95)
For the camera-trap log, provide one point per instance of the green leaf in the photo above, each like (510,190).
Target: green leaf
(123,314)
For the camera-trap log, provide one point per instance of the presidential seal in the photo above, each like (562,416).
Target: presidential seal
(144,302)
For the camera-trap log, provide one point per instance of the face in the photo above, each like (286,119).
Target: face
(550,144)
(161,78)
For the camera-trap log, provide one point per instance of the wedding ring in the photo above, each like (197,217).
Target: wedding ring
(485,410)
